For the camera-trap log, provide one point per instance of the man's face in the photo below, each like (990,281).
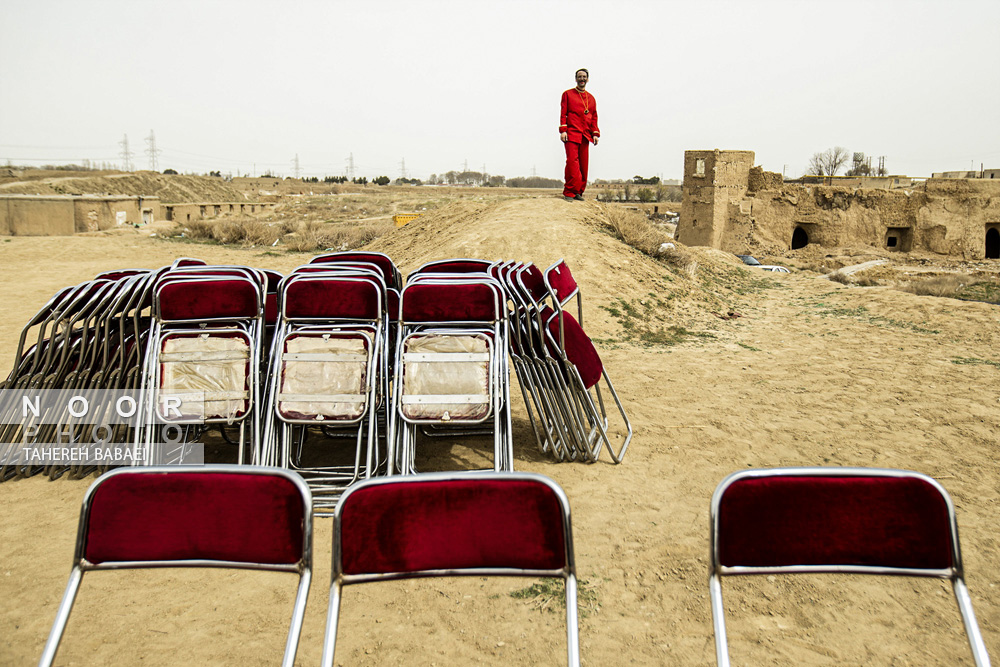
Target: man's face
(581,80)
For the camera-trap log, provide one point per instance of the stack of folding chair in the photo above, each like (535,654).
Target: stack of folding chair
(84,337)
(392,279)
(558,366)
(451,375)
(327,376)
(203,360)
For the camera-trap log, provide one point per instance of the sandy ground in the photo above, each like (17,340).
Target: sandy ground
(811,373)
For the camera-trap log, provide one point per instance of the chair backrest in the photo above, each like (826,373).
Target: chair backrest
(461,524)
(150,517)
(329,296)
(450,300)
(390,274)
(825,521)
(213,516)
(457,265)
(561,283)
(208,298)
(448,524)
(856,520)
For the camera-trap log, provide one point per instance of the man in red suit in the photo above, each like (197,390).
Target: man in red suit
(577,128)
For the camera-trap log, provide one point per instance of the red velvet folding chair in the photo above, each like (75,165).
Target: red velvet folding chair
(204,352)
(452,524)
(582,364)
(451,364)
(214,516)
(456,265)
(851,520)
(328,364)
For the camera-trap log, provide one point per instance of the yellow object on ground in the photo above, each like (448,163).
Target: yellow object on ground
(402,218)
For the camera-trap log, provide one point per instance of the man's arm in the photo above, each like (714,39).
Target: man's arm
(597,130)
(563,110)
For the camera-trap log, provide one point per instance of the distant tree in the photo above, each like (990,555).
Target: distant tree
(829,162)
(652,180)
(381,180)
(496,181)
(451,177)
(170,172)
(533,182)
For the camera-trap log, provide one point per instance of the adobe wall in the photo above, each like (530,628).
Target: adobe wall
(712,179)
(91,214)
(204,211)
(62,215)
(943,216)
(22,215)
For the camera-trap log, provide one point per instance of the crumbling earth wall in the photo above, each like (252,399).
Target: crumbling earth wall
(943,216)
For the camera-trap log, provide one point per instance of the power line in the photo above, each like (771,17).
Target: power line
(126,154)
(152,151)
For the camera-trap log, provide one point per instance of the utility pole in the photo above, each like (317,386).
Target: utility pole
(295,165)
(534,173)
(402,168)
(465,167)
(126,154)
(350,167)
(152,151)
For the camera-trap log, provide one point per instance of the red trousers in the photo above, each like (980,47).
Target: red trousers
(577,160)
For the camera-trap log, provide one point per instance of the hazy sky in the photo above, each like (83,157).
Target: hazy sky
(243,86)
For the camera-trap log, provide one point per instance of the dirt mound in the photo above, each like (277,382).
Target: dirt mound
(169,188)
(629,295)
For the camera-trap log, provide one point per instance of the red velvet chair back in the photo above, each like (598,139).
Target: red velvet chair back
(462,523)
(207,299)
(166,517)
(332,298)
(455,266)
(451,301)
(120,274)
(183,262)
(817,520)
(561,281)
(580,350)
(532,283)
(385,265)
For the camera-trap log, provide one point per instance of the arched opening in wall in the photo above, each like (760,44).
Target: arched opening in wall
(899,239)
(993,243)
(800,239)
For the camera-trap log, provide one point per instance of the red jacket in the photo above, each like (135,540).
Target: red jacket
(578,116)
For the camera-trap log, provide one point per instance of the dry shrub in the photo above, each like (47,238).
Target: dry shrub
(228,231)
(853,279)
(245,231)
(947,285)
(198,229)
(634,229)
(839,276)
(258,233)
(679,258)
(312,235)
